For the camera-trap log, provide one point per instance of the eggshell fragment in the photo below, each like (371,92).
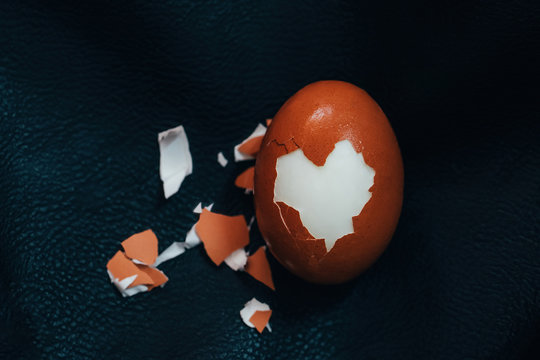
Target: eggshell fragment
(245,179)
(221,234)
(134,270)
(142,247)
(131,278)
(222,160)
(157,276)
(177,248)
(237,260)
(121,267)
(258,267)
(198,209)
(175,162)
(315,120)
(259,131)
(260,321)
(192,239)
(251,147)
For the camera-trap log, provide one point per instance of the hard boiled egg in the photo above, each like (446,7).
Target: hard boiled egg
(328,182)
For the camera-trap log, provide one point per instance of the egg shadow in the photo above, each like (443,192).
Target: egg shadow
(292,292)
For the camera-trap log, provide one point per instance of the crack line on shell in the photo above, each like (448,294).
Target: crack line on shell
(282,219)
(284,144)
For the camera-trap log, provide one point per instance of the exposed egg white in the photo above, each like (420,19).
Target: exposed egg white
(326,197)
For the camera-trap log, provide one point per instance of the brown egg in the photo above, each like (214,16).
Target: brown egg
(328,183)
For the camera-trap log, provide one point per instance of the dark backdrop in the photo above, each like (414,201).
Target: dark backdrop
(85,86)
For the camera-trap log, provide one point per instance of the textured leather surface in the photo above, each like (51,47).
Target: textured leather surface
(86,86)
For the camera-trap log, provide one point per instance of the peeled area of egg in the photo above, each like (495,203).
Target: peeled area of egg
(328,183)
(326,197)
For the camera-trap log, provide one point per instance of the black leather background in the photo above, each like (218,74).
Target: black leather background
(85,86)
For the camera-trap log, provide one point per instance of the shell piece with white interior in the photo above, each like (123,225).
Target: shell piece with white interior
(256,314)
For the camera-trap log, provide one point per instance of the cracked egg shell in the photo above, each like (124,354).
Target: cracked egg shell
(314,120)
